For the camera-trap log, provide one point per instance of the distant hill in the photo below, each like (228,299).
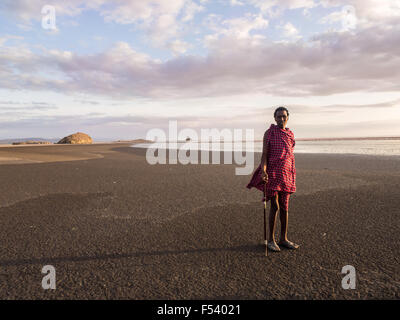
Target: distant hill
(135,141)
(55,140)
(10,141)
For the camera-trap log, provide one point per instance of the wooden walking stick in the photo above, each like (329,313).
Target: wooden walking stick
(265,219)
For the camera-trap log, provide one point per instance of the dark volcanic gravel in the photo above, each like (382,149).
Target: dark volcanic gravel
(119,228)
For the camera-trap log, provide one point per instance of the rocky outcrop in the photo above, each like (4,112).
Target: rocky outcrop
(76,138)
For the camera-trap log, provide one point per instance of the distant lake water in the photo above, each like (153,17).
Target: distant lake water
(365,147)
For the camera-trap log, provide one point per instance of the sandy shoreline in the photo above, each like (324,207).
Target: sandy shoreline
(34,153)
(20,154)
(115,227)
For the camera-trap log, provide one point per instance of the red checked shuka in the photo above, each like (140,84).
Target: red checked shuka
(281,168)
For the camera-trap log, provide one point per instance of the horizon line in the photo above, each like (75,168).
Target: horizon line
(222,140)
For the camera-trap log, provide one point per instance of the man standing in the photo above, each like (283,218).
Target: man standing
(277,170)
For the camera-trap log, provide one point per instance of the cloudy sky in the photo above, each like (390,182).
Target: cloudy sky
(118,68)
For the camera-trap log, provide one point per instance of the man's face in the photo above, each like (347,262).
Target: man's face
(281,119)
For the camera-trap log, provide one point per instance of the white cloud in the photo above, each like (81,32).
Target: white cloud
(190,10)
(145,11)
(276,7)
(236,3)
(241,65)
(367,12)
(162,20)
(316,121)
(306,12)
(239,28)
(290,31)
(27,10)
(11,37)
(240,59)
(346,17)
(331,63)
(178,47)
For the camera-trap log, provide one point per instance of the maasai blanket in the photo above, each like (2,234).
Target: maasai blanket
(281,168)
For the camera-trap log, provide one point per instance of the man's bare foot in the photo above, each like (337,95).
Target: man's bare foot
(273,246)
(288,244)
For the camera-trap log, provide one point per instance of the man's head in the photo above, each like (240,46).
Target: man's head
(281,116)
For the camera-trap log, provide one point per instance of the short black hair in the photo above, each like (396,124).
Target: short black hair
(281,109)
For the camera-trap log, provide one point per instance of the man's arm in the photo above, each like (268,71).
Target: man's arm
(264,156)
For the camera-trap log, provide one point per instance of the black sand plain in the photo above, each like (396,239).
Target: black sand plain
(116,227)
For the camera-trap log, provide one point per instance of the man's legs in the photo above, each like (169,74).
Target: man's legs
(284,223)
(272,220)
(284,216)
